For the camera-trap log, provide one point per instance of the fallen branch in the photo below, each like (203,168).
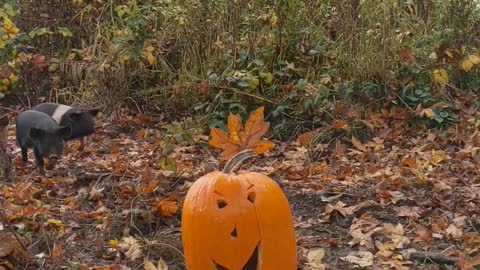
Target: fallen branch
(433,257)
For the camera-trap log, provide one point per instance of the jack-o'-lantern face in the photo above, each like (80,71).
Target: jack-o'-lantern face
(237,222)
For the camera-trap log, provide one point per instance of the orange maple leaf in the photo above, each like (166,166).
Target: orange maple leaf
(166,208)
(238,139)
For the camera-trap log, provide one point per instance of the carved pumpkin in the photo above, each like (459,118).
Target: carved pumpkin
(237,222)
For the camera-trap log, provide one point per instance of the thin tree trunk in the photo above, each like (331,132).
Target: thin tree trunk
(5,159)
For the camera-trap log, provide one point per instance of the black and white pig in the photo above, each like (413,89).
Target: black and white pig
(80,119)
(39,131)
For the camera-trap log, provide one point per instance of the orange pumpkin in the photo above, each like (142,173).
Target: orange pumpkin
(237,222)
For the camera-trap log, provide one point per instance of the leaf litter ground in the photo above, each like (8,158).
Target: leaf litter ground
(399,198)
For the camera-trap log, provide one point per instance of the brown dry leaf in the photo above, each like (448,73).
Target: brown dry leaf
(339,124)
(39,61)
(8,243)
(315,258)
(56,251)
(360,258)
(340,207)
(111,267)
(410,162)
(357,144)
(424,235)
(166,208)
(238,139)
(305,138)
(437,156)
(131,248)
(406,56)
(10,246)
(362,229)
(468,264)
(148,182)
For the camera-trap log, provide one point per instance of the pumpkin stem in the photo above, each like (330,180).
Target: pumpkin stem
(236,161)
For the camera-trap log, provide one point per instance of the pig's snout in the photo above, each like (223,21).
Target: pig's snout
(52,161)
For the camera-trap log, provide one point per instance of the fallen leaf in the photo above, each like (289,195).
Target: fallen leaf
(440,76)
(166,208)
(339,124)
(360,258)
(238,139)
(39,61)
(315,258)
(357,144)
(406,56)
(131,248)
(437,156)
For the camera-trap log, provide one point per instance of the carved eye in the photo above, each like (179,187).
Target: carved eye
(251,197)
(221,204)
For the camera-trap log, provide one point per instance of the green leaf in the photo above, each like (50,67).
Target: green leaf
(53,67)
(65,32)
(266,77)
(40,32)
(254,82)
(9,10)
(243,83)
(122,10)
(258,62)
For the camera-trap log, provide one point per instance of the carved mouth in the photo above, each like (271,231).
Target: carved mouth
(252,263)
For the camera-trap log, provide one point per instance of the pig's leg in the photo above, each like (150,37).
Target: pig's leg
(24,150)
(66,150)
(39,161)
(83,142)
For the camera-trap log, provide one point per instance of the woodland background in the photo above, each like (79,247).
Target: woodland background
(351,88)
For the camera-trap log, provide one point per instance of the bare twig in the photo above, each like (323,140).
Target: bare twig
(3,218)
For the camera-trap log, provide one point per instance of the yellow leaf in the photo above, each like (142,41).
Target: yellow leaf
(253,83)
(7,23)
(428,112)
(474,59)
(437,156)
(440,76)
(273,20)
(55,222)
(124,58)
(150,58)
(325,79)
(149,49)
(466,65)
(113,243)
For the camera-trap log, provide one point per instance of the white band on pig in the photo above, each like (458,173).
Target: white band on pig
(59,112)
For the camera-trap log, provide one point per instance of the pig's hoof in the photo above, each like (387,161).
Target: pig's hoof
(41,171)
(51,163)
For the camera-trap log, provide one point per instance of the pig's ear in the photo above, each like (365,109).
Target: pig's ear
(4,121)
(76,115)
(64,131)
(94,111)
(36,133)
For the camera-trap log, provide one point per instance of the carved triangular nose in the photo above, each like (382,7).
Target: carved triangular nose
(234,233)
